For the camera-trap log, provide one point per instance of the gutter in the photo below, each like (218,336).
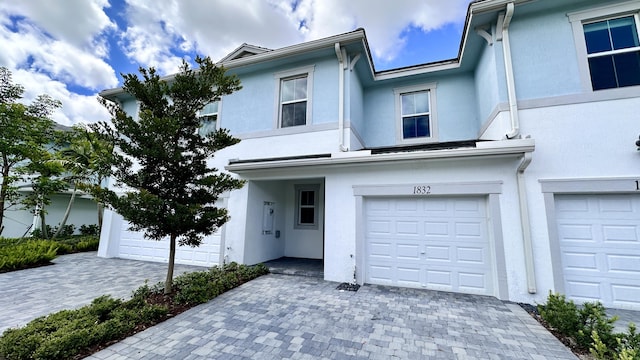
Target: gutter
(360,157)
(340,53)
(508,70)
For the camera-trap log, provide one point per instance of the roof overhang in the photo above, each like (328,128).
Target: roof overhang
(515,147)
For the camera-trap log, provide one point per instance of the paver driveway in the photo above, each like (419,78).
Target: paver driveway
(75,280)
(286,317)
(289,317)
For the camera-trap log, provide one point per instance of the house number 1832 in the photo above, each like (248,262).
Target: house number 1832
(422,190)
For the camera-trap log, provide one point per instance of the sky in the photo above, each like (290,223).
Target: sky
(73,49)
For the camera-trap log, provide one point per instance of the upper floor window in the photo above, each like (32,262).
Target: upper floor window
(415,107)
(293,101)
(209,118)
(607,45)
(614,52)
(294,97)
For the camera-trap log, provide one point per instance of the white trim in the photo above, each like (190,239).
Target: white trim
(617,185)
(579,18)
(488,148)
(291,130)
(433,111)
(292,73)
(435,189)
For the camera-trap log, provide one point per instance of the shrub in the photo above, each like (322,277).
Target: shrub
(590,328)
(89,230)
(70,333)
(27,254)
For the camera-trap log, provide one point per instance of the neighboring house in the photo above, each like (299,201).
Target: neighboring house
(20,222)
(509,171)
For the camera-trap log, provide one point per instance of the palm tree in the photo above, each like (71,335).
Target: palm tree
(87,161)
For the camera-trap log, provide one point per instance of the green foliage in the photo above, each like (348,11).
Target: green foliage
(560,314)
(26,130)
(590,328)
(173,188)
(26,254)
(68,333)
(17,254)
(89,230)
(65,334)
(200,287)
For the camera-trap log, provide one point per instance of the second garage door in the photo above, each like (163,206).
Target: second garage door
(436,243)
(599,239)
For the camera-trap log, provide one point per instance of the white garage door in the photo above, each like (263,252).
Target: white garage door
(600,248)
(434,243)
(133,245)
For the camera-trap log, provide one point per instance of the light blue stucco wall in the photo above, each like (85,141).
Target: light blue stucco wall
(489,81)
(355,103)
(253,108)
(456,110)
(543,43)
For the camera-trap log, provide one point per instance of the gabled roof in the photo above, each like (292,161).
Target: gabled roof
(244,50)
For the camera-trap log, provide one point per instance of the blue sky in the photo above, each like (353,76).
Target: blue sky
(74,51)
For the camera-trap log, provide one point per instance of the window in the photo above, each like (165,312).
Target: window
(294,97)
(607,45)
(613,51)
(415,114)
(307,206)
(209,118)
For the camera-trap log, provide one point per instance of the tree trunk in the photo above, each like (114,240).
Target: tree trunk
(100,215)
(66,213)
(43,226)
(3,189)
(168,284)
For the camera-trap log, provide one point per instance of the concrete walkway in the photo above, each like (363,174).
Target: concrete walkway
(75,280)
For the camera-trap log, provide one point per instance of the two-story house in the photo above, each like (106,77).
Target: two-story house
(509,171)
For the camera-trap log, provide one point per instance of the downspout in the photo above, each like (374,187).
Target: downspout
(526,224)
(508,69)
(341,68)
(526,160)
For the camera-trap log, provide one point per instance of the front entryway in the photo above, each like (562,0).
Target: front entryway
(438,243)
(296,266)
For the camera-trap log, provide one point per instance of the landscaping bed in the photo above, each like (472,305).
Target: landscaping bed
(75,334)
(18,254)
(586,329)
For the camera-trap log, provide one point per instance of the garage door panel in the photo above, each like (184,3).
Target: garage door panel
(625,294)
(623,263)
(408,252)
(428,246)
(620,233)
(438,253)
(600,247)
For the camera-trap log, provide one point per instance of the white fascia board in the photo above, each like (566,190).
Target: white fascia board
(500,148)
(297,49)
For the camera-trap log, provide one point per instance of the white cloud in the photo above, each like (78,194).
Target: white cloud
(75,108)
(384,21)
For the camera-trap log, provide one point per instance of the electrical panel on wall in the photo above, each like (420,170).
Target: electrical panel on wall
(268,217)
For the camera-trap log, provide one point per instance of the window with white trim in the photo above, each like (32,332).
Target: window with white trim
(608,45)
(307,206)
(208,118)
(294,97)
(415,112)
(613,51)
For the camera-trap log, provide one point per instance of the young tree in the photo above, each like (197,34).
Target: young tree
(86,159)
(24,132)
(161,160)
